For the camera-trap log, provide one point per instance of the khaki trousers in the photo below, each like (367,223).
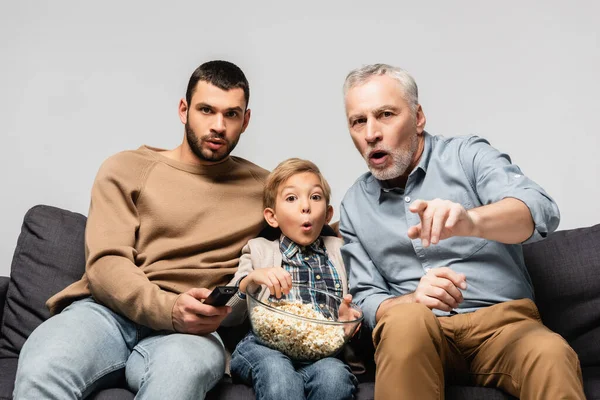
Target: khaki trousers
(503,346)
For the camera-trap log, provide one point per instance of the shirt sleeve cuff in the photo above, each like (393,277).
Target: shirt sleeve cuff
(544,212)
(370,306)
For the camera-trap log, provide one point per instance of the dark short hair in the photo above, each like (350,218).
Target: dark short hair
(222,74)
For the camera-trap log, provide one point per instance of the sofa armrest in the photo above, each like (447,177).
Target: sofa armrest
(3,290)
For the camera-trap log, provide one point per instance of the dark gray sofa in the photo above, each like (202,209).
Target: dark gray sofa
(565,269)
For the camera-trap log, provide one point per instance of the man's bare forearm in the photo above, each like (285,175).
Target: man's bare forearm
(507,221)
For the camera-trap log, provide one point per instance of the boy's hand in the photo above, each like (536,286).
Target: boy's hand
(192,316)
(347,313)
(277,279)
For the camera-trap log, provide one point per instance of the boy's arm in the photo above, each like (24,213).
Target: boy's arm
(238,302)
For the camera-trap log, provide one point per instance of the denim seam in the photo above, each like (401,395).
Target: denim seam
(99,375)
(305,376)
(247,361)
(145,356)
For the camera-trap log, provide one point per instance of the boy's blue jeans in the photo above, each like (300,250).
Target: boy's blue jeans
(86,347)
(275,376)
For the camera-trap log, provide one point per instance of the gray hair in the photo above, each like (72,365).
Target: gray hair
(359,76)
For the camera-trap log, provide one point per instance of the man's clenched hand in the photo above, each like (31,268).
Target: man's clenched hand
(439,288)
(192,316)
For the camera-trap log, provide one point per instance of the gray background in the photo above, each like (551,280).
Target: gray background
(81,80)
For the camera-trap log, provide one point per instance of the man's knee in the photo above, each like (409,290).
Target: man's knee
(184,358)
(44,356)
(410,321)
(52,364)
(552,349)
(404,332)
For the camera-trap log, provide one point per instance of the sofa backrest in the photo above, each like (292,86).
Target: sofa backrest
(565,270)
(48,257)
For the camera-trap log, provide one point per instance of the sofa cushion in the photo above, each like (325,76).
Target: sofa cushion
(591,382)
(565,270)
(112,394)
(4,281)
(8,371)
(48,257)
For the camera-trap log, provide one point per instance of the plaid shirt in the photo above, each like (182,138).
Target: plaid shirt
(310,266)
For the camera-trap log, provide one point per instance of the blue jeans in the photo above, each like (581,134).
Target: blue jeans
(85,348)
(275,376)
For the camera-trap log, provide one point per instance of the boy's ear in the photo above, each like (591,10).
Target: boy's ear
(270,217)
(329,214)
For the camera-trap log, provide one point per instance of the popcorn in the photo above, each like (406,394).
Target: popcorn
(298,339)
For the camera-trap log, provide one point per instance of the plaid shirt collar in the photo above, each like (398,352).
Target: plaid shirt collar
(289,248)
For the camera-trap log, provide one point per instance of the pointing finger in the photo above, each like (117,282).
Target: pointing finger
(414,232)
(418,206)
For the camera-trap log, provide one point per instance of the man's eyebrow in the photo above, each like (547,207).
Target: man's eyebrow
(355,116)
(203,105)
(238,109)
(386,107)
(375,111)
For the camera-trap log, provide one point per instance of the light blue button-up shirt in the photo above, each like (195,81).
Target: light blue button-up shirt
(383,262)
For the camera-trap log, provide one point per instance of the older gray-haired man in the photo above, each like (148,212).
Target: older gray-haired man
(433,246)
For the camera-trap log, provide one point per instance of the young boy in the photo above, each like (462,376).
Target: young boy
(296,200)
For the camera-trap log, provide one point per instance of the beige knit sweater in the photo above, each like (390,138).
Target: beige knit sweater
(158,227)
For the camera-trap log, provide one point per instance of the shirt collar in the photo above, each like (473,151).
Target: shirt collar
(289,248)
(427,149)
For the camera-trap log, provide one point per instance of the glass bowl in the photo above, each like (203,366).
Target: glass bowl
(306,325)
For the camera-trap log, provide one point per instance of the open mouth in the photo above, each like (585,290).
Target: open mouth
(306,226)
(377,156)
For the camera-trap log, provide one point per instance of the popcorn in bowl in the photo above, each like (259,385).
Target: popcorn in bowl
(305,325)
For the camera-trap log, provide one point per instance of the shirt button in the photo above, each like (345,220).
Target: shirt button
(517,176)
(306,258)
(337,285)
(407,199)
(318,277)
(427,269)
(321,305)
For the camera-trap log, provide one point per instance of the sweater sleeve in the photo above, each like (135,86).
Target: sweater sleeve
(113,222)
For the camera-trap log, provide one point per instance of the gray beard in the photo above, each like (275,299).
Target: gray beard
(401,159)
